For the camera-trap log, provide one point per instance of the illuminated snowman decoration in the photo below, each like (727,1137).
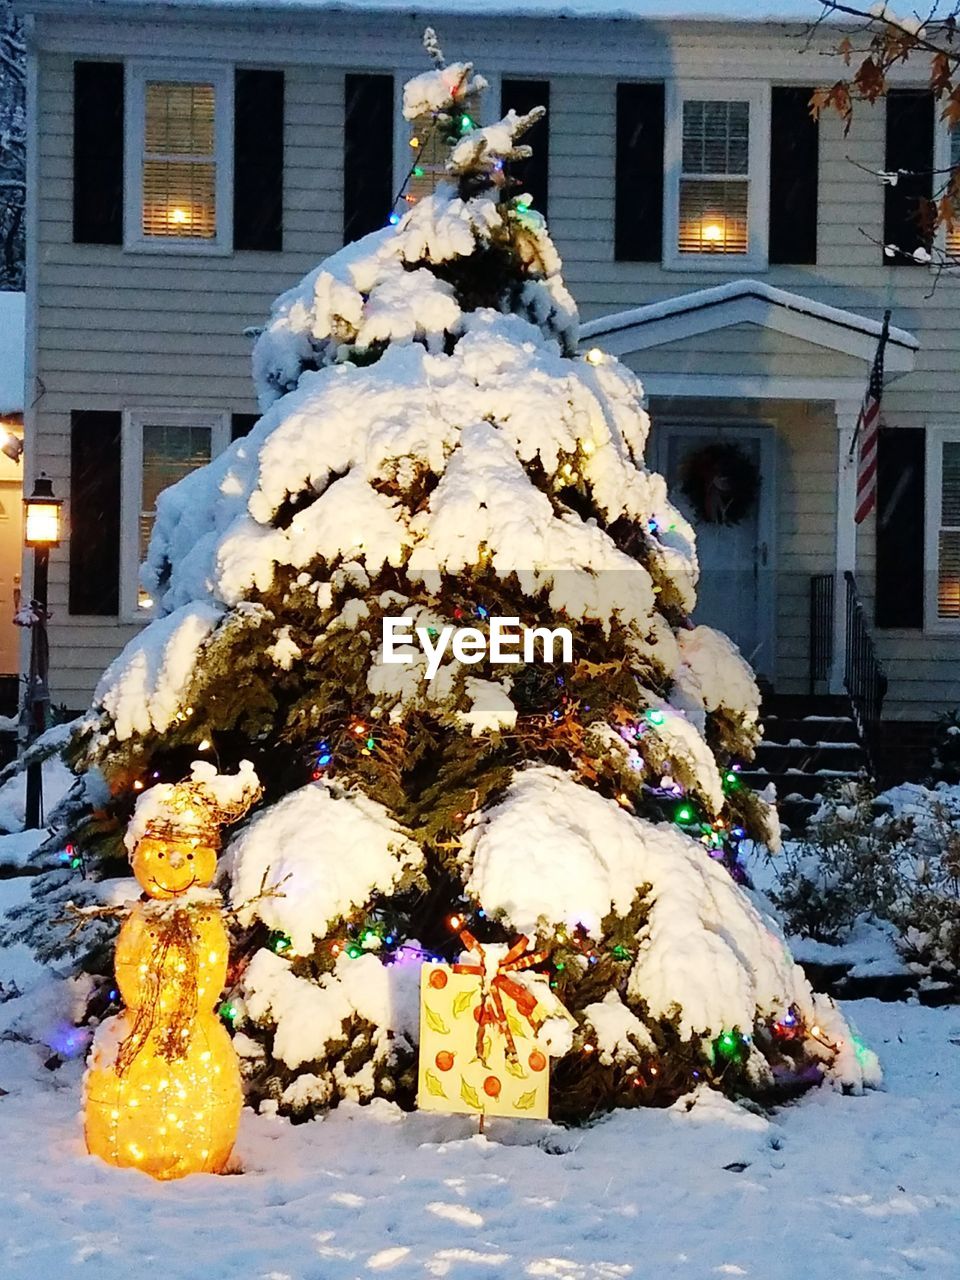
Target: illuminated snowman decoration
(163,1090)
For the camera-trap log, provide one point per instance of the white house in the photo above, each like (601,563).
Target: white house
(190,160)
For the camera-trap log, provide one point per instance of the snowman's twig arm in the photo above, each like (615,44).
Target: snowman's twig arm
(80,917)
(274,891)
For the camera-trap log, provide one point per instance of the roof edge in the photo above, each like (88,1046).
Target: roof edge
(701,300)
(517,9)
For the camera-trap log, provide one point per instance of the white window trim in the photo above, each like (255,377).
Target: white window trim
(933,506)
(131,482)
(758,203)
(403,156)
(135,79)
(941,162)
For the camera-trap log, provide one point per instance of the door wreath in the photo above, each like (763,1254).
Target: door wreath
(721,482)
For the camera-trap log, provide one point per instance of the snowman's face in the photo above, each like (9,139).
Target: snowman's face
(167,868)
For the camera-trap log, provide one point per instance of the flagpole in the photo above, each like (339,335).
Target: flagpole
(884,336)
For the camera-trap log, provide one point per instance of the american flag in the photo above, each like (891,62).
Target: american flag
(868,431)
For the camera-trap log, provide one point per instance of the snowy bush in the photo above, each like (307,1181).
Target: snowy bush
(945,766)
(897,860)
(848,864)
(927,906)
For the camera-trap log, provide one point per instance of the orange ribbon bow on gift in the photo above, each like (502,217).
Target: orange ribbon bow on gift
(491,997)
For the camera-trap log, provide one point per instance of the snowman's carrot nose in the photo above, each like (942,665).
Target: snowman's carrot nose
(176,859)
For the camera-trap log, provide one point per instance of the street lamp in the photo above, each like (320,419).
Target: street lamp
(42,511)
(41,532)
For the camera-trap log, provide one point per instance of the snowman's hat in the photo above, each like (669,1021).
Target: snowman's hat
(195,809)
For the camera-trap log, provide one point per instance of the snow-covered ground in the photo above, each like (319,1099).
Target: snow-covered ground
(16,848)
(832,1187)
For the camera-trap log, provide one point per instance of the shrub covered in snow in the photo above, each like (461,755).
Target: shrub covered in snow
(894,858)
(847,865)
(432,446)
(945,766)
(927,908)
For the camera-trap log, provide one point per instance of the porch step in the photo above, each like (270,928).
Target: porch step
(837,730)
(808,786)
(821,757)
(810,744)
(804,706)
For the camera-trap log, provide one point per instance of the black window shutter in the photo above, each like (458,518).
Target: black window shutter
(639,193)
(241,424)
(794,165)
(98,152)
(94,586)
(532,174)
(258,159)
(910,124)
(900,524)
(367,154)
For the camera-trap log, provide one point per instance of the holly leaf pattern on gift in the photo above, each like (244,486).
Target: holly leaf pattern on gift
(516,1069)
(462,1003)
(432,1081)
(435,1022)
(526,1101)
(469,1094)
(516,1026)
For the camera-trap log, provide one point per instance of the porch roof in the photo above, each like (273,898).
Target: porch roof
(750,302)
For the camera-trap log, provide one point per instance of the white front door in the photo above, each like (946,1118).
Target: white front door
(736,588)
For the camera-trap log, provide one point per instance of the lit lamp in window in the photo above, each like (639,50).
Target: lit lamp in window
(41,532)
(178,217)
(712,235)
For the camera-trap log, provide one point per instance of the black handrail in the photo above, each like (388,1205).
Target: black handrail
(821,628)
(863,675)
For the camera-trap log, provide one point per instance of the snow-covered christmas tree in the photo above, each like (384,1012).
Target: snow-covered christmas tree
(433,447)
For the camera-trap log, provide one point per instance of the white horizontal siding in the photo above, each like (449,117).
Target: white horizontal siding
(119,330)
(751,351)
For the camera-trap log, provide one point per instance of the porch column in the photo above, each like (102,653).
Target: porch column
(847,412)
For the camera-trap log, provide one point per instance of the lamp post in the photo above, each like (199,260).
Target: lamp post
(41,532)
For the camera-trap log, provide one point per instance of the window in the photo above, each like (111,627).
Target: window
(179,164)
(717,161)
(948,550)
(179,159)
(943,529)
(160,447)
(714,177)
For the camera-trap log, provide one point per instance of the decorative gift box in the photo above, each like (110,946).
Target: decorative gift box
(479,1025)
